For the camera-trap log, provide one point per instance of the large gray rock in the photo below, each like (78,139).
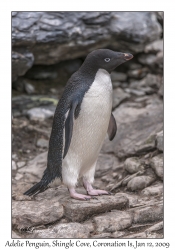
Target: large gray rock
(154,62)
(51,37)
(106,163)
(76,211)
(140,182)
(156,227)
(133,165)
(150,80)
(33,213)
(148,214)
(118,96)
(112,221)
(39,114)
(137,128)
(63,230)
(156,189)
(157,165)
(21,62)
(154,46)
(36,166)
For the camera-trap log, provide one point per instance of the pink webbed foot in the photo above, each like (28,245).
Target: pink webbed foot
(78,196)
(97,192)
(91,191)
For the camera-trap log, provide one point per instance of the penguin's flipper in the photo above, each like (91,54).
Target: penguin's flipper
(112,128)
(69,127)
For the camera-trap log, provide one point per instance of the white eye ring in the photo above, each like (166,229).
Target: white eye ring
(107,59)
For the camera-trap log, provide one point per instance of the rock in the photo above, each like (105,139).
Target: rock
(137,236)
(125,180)
(118,234)
(159,140)
(35,166)
(148,144)
(18,176)
(118,76)
(148,213)
(140,182)
(155,235)
(135,92)
(157,165)
(14,157)
(23,103)
(33,213)
(159,60)
(138,73)
(105,163)
(21,62)
(134,66)
(112,221)
(101,236)
(155,227)
(29,88)
(15,235)
(89,225)
(139,227)
(59,73)
(147,59)
(51,37)
(76,211)
(19,85)
(116,84)
(132,197)
(118,96)
(14,165)
(161,89)
(135,29)
(39,114)
(153,81)
(137,128)
(64,230)
(154,62)
(156,189)
(133,165)
(42,143)
(160,17)
(154,46)
(21,164)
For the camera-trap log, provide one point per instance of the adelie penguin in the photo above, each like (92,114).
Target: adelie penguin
(82,118)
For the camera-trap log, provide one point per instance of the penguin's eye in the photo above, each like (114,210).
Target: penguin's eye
(107,59)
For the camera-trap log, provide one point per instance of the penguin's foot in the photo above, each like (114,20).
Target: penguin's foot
(78,196)
(97,192)
(91,191)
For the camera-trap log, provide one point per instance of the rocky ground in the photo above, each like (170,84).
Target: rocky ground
(131,166)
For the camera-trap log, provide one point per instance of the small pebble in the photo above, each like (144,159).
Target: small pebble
(14,165)
(21,164)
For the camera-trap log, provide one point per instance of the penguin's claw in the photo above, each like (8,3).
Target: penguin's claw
(87,199)
(110,193)
(94,197)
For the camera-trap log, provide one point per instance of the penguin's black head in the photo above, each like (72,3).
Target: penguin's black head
(107,59)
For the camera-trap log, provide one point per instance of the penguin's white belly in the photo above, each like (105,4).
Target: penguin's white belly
(89,129)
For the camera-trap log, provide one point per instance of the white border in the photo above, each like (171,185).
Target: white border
(5,98)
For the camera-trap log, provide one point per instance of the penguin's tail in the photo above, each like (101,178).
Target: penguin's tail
(37,188)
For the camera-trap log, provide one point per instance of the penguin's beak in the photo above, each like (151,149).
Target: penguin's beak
(128,56)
